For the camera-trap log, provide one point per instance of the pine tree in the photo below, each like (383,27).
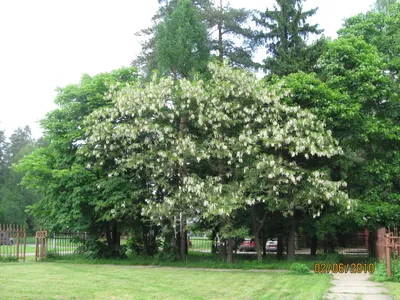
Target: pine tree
(285,38)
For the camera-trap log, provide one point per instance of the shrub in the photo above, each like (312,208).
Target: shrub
(8,259)
(167,254)
(299,269)
(98,249)
(380,273)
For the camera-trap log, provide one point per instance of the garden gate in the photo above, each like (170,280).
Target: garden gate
(41,244)
(13,241)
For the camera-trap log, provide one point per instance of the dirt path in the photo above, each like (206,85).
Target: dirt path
(349,286)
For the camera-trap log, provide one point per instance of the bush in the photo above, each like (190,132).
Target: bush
(167,254)
(98,249)
(53,255)
(138,246)
(380,273)
(8,259)
(299,269)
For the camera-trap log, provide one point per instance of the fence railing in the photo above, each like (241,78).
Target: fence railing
(64,243)
(13,241)
(387,242)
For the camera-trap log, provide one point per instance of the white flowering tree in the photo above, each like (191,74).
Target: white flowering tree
(241,145)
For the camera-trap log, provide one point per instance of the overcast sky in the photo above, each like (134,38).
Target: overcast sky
(46,44)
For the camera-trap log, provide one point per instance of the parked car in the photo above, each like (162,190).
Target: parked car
(248,245)
(5,239)
(272,245)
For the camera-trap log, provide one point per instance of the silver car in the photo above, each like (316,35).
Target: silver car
(5,239)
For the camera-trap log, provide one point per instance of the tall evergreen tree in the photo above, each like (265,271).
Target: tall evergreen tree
(230,37)
(285,32)
(182,46)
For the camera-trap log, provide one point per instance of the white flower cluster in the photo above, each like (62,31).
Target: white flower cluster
(174,130)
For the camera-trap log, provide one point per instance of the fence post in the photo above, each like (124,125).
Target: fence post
(388,264)
(18,229)
(24,231)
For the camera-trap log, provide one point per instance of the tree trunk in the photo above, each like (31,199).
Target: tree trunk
(186,243)
(314,244)
(279,252)
(257,228)
(183,241)
(116,236)
(372,239)
(291,240)
(145,243)
(213,242)
(220,45)
(108,234)
(229,258)
(259,248)
(264,242)
(222,249)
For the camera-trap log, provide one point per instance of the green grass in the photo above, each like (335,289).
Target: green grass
(201,244)
(74,281)
(394,289)
(208,260)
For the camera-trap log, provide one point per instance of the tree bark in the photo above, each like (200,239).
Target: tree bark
(292,240)
(108,235)
(116,236)
(213,243)
(183,241)
(222,249)
(279,252)
(229,258)
(220,45)
(372,239)
(264,242)
(314,244)
(257,228)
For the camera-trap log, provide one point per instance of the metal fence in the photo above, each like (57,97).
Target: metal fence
(201,244)
(64,243)
(13,241)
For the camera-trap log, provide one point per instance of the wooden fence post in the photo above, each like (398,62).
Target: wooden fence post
(388,264)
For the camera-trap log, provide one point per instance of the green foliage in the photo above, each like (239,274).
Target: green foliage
(233,40)
(381,30)
(384,5)
(99,249)
(285,35)
(182,46)
(8,259)
(168,254)
(76,195)
(299,269)
(241,146)
(356,97)
(380,273)
(14,198)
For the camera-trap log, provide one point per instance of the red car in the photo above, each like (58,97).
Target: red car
(248,245)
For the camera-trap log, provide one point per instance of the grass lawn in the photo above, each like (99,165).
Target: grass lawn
(200,244)
(78,281)
(394,289)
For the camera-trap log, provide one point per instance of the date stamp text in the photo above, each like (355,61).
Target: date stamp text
(354,268)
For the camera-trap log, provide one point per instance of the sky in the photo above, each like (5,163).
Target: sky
(45,44)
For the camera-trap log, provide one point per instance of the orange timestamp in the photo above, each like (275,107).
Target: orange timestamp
(355,268)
